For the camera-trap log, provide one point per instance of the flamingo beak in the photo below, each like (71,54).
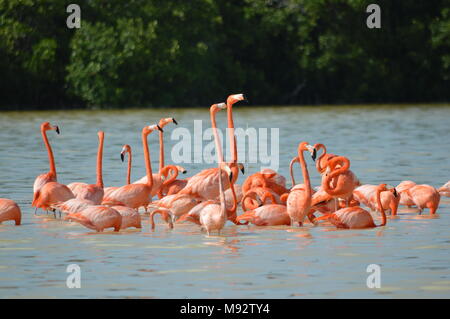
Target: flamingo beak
(159,128)
(57,129)
(314,155)
(231,176)
(122,156)
(244,98)
(184,172)
(173,120)
(241,167)
(395,192)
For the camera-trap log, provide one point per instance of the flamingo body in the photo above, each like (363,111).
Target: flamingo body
(9,210)
(51,195)
(97,218)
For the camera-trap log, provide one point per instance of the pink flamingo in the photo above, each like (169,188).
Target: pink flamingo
(249,200)
(126,149)
(74,205)
(92,192)
(404,197)
(355,217)
(172,185)
(323,159)
(366,194)
(265,215)
(166,215)
(445,190)
(339,182)
(424,196)
(97,218)
(130,217)
(136,195)
(9,210)
(204,184)
(176,205)
(42,179)
(299,198)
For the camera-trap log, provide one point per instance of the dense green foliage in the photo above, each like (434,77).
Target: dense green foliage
(183,53)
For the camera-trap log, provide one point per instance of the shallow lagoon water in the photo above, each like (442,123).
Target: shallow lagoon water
(384,143)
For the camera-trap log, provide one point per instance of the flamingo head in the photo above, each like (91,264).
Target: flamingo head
(313,151)
(148,129)
(46,126)
(101,135)
(181,169)
(241,167)
(217,107)
(164,121)
(227,169)
(125,149)
(234,98)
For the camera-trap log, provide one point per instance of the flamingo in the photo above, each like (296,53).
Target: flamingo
(136,195)
(97,217)
(176,205)
(204,184)
(267,178)
(299,198)
(9,210)
(339,182)
(249,200)
(74,205)
(323,159)
(404,197)
(130,217)
(366,194)
(51,195)
(159,178)
(126,149)
(265,215)
(445,190)
(172,185)
(356,217)
(92,192)
(42,179)
(165,213)
(424,196)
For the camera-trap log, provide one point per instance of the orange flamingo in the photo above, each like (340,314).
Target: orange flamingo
(126,149)
(136,195)
(9,210)
(339,182)
(445,190)
(176,205)
(204,184)
(404,197)
(299,198)
(130,217)
(324,158)
(265,215)
(355,217)
(92,192)
(42,179)
(366,194)
(249,200)
(97,218)
(74,205)
(165,213)
(424,196)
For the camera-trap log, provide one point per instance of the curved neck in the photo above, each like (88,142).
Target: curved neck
(268,195)
(291,170)
(129,167)
(216,137)
(148,165)
(99,162)
(305,174)
(233,193)
(383,214)
(51,159)
(172,170)
(161,151)
(250,194)
(334,173)
(319,160)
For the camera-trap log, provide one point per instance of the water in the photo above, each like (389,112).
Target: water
(385,144)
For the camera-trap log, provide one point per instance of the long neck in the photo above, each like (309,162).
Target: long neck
(51,159)
(233,193)
(233,147)
(305,174)
(319,160)
(383,214)
(148,166)
(334,173)
(216,137)
(161,151)
(99,162)
(223,208)
(129,167)
(172,170)
(291,170)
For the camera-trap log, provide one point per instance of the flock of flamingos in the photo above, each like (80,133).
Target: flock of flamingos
(211,197)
